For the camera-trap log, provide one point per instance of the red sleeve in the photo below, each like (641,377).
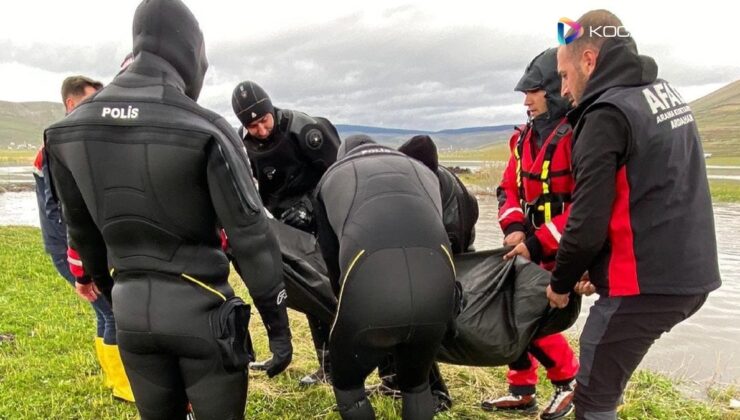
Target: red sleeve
(75,263)
(510,213)
(38,162)
(224,241)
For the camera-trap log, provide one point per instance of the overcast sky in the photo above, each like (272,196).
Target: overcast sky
(420,64)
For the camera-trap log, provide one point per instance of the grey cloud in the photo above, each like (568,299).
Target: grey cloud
(685,71)
(100,61)
(410,76)
(403,73)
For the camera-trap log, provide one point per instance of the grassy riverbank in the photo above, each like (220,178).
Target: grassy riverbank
(17,157)
(48,367)
(488,177)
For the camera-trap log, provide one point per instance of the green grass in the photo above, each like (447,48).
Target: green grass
(500,152)
(49,369)
(17,157)
(724,160)
(487,178)
(724,191)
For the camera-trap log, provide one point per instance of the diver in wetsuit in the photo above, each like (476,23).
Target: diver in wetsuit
(379,219)
(459,215)
(289,152)
(143,171)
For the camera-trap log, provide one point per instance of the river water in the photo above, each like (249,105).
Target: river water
(704,349)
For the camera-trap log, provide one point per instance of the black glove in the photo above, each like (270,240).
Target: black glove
(274,314)
(299,215)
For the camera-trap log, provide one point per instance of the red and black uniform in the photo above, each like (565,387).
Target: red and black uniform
(535,192)
(534,197)
(641,221)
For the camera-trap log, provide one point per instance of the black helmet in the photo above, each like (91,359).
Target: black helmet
(250,102)
(542,73)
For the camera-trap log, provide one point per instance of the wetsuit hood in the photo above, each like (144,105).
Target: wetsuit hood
(167,29)
(423,149)
(542,73)
(353,142)
(251,102)
(618,65)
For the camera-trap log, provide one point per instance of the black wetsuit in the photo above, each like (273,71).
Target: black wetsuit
(381,234)
(459,210)
(290,162)
(459,215)
(287,166)
(143,170)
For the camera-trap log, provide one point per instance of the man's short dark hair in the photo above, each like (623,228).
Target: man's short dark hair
(75,85)
(593,19)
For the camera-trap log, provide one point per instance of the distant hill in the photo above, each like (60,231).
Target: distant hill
(23,123)
(717,114)
(449,139)
(718,117)
(347,130)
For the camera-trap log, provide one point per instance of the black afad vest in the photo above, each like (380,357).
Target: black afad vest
(661,232)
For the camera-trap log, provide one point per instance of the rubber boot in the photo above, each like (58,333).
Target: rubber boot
(121,386)
(100,353)
(322,374)
(418,404)
(354,405)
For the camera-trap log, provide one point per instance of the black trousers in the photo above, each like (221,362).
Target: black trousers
(618,333)
(414,351)
(169,351)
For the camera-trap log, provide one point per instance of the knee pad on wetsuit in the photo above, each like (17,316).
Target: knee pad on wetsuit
(354,405)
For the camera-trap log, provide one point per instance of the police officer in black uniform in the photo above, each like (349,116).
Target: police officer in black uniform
(381,234)
(143,171)
(289,152)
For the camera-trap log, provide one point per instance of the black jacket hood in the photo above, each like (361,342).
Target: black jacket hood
(618,65)
(542,73)
(167,29)
(423,149)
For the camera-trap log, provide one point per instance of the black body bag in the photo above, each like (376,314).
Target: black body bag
(504,307)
